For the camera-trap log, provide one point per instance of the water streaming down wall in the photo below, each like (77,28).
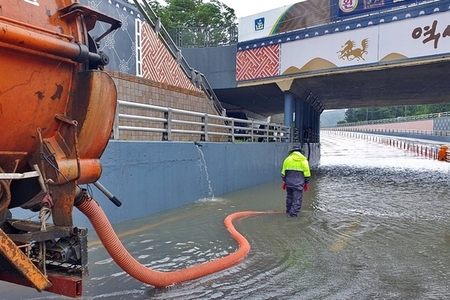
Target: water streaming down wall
(204,171)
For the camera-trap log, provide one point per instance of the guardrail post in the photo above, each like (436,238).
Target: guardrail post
(116,134)
(157,25)
(199,80)
(167,135)
(232,131)
(252,132)
(204,137)
(295,135)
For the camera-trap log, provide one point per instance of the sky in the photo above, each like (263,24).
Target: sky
(244,8)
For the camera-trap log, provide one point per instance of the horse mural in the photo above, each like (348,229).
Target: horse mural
(349,51)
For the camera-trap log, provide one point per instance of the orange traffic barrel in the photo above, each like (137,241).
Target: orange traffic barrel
(442,155)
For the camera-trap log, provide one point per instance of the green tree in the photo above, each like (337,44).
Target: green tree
(378,113)
(192,23)
(350,115)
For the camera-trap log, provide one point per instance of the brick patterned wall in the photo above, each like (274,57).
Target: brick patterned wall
(158,64)
(146,91)
(258,63)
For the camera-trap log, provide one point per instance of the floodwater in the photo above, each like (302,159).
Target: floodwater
(375,224)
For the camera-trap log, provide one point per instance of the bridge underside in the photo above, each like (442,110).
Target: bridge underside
(424,82)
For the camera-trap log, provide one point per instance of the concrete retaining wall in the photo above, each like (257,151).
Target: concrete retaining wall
(440,123)
(412,125)
(150,177)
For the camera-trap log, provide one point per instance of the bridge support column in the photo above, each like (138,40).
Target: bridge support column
(288,108)
(288,111)
(299,119)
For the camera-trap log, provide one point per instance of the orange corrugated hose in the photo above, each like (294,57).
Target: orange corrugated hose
(112,244)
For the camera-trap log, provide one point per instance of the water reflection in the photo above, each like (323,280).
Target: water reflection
(374,225)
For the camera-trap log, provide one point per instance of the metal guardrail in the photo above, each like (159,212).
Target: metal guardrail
(201,36)
(390,131)
(441,153)
(394,120)
(197,78)
(165,123)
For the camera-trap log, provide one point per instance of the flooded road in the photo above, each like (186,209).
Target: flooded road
(375,224)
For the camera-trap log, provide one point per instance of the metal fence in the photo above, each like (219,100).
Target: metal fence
(392,131)
(394,120)
(198,37)
(441,153)
(138,121)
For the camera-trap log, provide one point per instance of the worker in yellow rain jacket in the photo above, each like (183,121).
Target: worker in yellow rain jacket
(295,174)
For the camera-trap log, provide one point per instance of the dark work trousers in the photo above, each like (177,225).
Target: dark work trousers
(293,201)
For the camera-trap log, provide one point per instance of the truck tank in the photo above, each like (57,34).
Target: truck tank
(57,108)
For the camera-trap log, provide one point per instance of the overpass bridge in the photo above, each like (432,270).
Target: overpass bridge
(380,56)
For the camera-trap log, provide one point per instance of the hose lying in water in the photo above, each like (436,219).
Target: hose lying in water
(120,255)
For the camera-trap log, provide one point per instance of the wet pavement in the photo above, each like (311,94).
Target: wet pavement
(375,224)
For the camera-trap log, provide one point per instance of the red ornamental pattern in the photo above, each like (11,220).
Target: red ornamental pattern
(258,63)
(158,64)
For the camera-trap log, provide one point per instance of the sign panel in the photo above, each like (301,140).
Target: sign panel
(259,25)
(284,19)
(347,8)
(337,50)
(416,37)
(413,38)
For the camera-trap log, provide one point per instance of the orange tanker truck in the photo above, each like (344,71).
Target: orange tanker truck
(52,91)
(57,108)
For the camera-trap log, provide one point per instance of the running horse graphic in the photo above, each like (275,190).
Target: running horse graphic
(349,51)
